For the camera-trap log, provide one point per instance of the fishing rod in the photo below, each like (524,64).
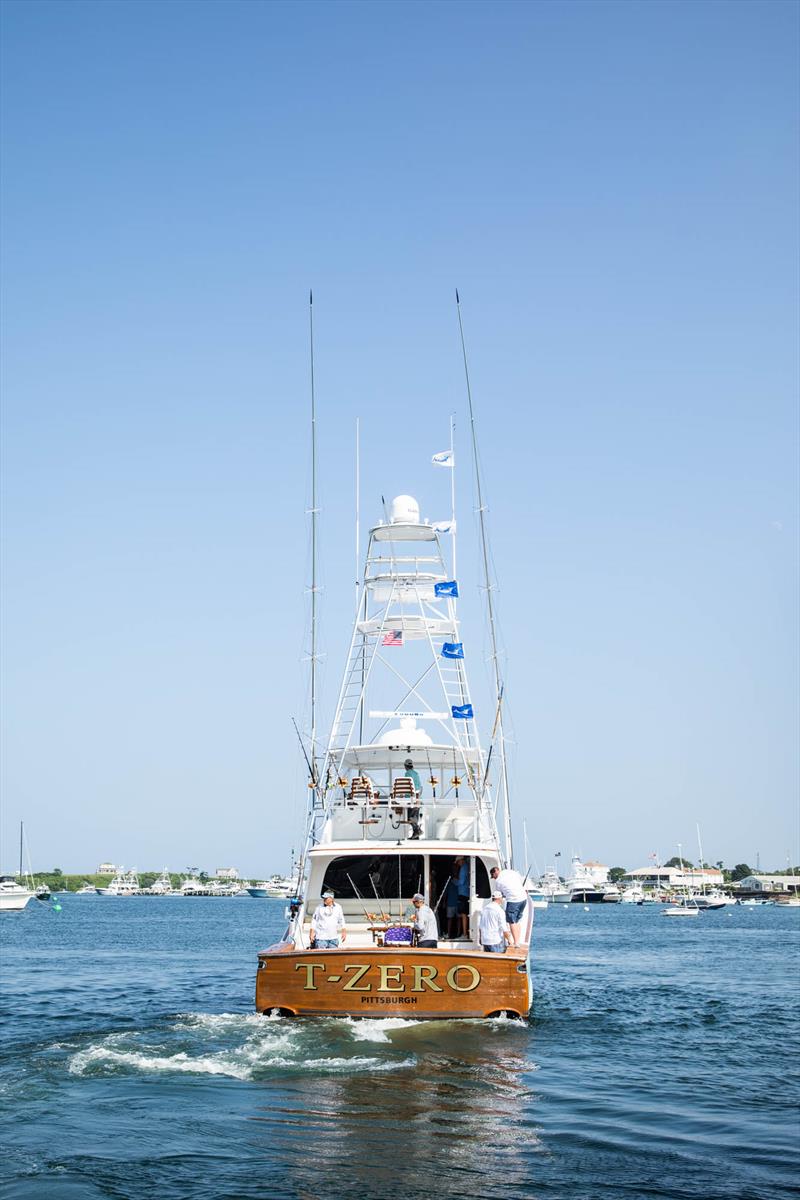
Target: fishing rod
(377,897)
(491,740)
(360,898)
(431,778)
(313,783)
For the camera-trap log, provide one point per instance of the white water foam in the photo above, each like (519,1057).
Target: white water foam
(267,1045)
(105,1059)
(371,1030)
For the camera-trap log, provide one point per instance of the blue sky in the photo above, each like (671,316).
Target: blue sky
(613,188)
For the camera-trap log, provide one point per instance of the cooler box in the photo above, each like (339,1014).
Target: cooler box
(397,935)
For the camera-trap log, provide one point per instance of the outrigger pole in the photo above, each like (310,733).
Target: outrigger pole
(313,765)
(499,688)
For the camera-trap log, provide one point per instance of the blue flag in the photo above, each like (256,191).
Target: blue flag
(446,589)
(453,650)
(462,712)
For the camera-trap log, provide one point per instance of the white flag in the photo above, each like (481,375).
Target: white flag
(445,459)
(444,526)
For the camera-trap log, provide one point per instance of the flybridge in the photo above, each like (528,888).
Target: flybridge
(396,607)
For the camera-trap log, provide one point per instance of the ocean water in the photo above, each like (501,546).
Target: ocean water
(660,1061)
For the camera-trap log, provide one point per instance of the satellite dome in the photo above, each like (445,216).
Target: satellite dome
(404,510)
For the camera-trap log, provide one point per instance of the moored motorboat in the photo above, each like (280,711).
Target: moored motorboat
(124,884)
(13,896)
(162,886)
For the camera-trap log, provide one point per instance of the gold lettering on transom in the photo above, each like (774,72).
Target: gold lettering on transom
(360,971)
(386,978)
(309,968)
(452,977)
(424,976)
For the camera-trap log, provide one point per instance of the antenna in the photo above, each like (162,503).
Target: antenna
(358,501)
(313,549)
(453,491)
(490,603)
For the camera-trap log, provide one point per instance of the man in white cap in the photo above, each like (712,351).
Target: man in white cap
(512,885)
(424,925)
(493,926)
(327,923)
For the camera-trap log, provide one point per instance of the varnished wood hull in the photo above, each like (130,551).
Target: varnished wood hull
(390,982)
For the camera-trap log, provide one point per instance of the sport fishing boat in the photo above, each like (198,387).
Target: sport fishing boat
(162,886)
(403,801)
(277,887)
(587,884)
(124,883)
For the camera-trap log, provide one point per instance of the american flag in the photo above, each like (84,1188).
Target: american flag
(393,638)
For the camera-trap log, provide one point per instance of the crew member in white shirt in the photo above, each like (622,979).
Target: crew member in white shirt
(511,884)
(493,926)
(424,925)
(327,923)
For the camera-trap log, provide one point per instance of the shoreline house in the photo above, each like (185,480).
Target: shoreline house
(667,878)
(768,885)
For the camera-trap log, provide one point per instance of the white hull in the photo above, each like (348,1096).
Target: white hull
(14,901)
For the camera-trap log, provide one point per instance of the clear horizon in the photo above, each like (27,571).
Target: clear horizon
(613,188)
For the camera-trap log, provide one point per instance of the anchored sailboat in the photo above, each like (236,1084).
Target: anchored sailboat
(403,807)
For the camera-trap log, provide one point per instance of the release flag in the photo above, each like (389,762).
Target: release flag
(462,712)
(444,459)
(453,650)
(393,638)
(450,588)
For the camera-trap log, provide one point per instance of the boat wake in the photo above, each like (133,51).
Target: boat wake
(247,1048)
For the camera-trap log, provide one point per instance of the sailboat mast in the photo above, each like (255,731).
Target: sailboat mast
(20,849)
(313,550)
(702,868)
(490,602)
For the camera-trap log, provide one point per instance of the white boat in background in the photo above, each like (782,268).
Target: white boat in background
(711,900)
(279,887)
(13,896)
(549,888)
(258,890)
(587,884)
(162,886)
(87,889)
(707,899)
(39,891)
(192,886)
(123,884)
(632,895)
(684,905)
